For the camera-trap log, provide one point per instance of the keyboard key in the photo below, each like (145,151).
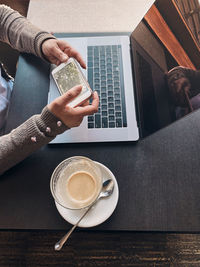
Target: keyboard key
(111,124)
(117,96)
(110,93)
(102,48)
(96,70)
(115,57)
(116,84)
(96,51)
(117,102)
(104,101)
(116,73)
(110,105)
(118,123)
(115,68)
(90,118)
(96,86)
(118,108)
(115,63)
(96,60)
(104,107)
(108,48)
(104,122)
(90,64)
(97,121)
(114,48)
(90,125)
(118,114)
(111,112)
(104,113)
(117,89)
(103,83)
(111,118)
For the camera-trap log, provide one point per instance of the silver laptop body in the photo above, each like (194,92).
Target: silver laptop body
(112,131)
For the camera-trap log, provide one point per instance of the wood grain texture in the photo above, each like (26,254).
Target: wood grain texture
(163,32)
(85,249)
(174,18)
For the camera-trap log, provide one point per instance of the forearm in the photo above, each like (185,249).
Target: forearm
(20,33)
(28,137)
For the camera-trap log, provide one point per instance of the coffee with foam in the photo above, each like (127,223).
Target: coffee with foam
(79,183)
(81,187)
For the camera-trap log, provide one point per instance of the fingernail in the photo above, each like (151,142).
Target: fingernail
(64,57)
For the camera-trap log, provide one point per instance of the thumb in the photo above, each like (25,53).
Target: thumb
(70,95)
(60,55)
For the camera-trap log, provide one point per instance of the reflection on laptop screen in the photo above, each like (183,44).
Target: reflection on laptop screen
(166,60)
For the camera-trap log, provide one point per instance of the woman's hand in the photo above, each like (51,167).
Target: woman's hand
(58,51)
(72,117)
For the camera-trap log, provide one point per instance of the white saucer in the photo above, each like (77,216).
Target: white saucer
(101,211)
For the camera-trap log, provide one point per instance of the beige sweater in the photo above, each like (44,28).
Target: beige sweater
(39,129)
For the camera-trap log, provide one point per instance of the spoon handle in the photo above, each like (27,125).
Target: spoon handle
(62,241)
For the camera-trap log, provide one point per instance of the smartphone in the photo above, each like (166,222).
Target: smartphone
(68,75)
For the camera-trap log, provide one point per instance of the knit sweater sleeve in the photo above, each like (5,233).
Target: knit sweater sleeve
(17,31)
(29,137)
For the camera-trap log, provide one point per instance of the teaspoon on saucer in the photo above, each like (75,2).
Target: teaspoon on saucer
(107,189)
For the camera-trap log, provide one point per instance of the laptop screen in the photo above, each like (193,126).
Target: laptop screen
(166,59)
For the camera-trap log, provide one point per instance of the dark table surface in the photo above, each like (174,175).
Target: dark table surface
(158,177)
(35,248)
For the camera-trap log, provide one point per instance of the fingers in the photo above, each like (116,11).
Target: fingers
(71,52)
(85,103)
(59,55)
(69,95)
(59,51)
(89,109)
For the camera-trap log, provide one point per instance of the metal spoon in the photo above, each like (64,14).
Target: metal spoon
(107,190)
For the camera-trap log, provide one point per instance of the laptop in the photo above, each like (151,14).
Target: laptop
(129,73)
(109,72)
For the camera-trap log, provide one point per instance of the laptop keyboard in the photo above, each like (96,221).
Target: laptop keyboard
(105,75)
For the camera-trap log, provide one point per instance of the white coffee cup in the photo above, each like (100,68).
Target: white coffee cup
(76,182)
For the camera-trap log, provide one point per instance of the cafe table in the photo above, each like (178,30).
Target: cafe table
(156,221)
